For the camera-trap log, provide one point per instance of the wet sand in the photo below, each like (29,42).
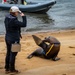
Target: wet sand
(40,66)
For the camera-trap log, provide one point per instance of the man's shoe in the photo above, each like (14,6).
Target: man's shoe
(7,71)
(55,59)
(14,71)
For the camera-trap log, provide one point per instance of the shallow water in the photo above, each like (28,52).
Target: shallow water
(61,16)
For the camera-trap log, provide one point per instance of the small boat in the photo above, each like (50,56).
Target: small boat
(31,7)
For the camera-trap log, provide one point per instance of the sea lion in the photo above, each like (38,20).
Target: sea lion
(50,48)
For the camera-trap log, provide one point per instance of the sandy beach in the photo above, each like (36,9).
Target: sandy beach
(40,66)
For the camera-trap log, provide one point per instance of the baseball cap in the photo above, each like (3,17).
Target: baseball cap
(14,9)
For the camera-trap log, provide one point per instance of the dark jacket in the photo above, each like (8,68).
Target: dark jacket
(13,27)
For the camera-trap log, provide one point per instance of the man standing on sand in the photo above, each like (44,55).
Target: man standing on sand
(13,34)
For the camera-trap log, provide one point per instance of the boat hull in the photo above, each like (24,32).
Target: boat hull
(34,8)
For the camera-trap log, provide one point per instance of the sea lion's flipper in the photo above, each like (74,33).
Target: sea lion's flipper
(37,52)
(37,39)
(30,56)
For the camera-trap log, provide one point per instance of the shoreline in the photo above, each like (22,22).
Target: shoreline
(36,32)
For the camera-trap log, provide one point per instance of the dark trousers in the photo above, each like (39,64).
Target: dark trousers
(22,1)
(10,57)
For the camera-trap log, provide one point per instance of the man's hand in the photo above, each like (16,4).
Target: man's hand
(22,14)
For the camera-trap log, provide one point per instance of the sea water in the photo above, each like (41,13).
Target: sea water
(60,17)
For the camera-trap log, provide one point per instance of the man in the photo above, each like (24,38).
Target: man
(13,34)
(50,47)
(23,2)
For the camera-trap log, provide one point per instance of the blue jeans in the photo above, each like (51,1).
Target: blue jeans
(10,56)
